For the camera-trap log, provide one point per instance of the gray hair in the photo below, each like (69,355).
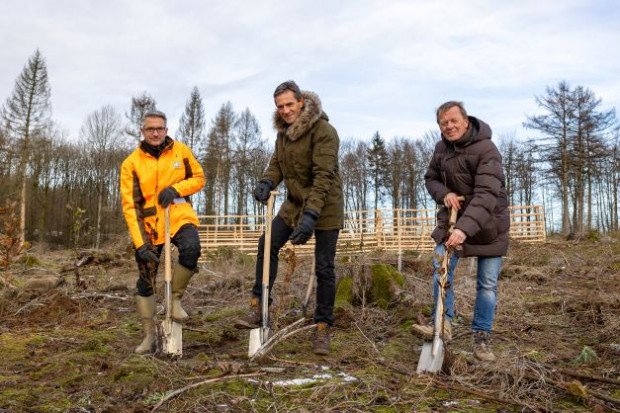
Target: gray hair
(449,105)
(154,114)
(288,85)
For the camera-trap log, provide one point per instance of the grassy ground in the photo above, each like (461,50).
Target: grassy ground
(69,348)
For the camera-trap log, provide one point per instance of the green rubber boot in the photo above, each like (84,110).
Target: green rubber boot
(146,309)
(180,279)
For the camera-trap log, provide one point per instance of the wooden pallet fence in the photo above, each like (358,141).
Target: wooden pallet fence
(395,230)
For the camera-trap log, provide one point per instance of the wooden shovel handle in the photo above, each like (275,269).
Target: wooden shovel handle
(167,253)
(453,214)
(267,258)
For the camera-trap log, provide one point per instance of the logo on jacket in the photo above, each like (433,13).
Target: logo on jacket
(176,165)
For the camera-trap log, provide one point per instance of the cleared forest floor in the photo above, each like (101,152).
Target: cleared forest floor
(67,340)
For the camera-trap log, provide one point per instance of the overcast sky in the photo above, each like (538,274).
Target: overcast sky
(377,65)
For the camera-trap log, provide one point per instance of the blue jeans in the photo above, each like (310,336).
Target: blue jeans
(486,289)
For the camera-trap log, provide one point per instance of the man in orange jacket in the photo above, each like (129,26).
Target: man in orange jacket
(160,173)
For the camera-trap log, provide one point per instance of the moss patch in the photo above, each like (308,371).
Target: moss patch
(384,279)
(344,293)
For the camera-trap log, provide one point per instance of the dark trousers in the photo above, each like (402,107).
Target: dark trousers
(187,242)
(324,255)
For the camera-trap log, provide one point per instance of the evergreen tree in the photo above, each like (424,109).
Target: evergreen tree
(26,115)
(139,106)
(192,123)
(378,162)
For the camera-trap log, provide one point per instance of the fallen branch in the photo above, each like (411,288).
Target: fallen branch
(457,387)
(175,393)
(280,336)
(587,377)
(269,345)
(100,295)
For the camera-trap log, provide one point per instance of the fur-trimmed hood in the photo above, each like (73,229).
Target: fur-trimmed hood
(310,114)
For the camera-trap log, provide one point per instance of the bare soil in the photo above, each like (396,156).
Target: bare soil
(67,336)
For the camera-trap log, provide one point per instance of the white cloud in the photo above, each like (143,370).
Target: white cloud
(377,65)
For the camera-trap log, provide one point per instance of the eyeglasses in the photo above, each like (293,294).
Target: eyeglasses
(159,129)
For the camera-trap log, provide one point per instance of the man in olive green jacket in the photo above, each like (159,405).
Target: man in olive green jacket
(306,159)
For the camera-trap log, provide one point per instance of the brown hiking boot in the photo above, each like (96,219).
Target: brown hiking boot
(426,331)
(321,342)
(253,318)
(482,351)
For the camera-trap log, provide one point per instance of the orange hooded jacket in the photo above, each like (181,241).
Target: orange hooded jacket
(143,177)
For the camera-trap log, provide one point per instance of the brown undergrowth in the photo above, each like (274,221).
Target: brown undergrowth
(69,347)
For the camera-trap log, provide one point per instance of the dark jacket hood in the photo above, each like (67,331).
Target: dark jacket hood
(310,114)
(478,130)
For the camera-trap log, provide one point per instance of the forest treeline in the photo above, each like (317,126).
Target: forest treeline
(66,191)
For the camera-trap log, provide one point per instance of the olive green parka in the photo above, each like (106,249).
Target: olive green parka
(306,159)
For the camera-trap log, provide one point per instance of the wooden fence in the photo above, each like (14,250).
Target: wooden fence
(396,230)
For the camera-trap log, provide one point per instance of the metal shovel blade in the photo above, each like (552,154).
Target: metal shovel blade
(258,337)
(429,362)
(171,338)
(431,358)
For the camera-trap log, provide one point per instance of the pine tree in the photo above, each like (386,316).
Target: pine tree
(378,160)
(192,123)
(139,106)
(26,115)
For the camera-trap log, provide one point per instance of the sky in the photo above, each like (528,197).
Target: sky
(377,65)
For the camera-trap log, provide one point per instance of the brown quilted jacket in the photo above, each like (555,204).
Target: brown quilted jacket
(472,167)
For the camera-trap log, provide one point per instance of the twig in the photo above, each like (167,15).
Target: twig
(294,362)
(175,393)
(278,337)
(587,377)
(474,392)
(367,339)
(100,295)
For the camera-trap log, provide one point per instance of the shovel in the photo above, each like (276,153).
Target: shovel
(171,332)
(259,336)
(304,306)
(431,359)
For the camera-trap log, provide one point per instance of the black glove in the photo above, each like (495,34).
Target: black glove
(305,228)
(166,196)
(261,192)
(147,253)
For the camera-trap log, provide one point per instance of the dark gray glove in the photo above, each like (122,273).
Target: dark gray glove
(262,190)
(147,253)
(166,196)
(305,228)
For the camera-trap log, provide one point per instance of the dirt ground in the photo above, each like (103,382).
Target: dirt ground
(67,338)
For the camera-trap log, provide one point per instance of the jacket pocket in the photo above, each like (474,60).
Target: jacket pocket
(486,235)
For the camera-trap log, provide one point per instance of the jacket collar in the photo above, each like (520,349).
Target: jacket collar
(309,115)
(156,151)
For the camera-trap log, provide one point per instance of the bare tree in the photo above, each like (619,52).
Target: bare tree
(101,133)
(573,133)
(248,140)
(217,160)
(26,114)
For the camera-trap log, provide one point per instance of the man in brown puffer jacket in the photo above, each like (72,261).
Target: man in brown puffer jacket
(306,159)
(466,163)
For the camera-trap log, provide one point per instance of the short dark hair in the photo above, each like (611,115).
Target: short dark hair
(288,85)
(154,114)
(449,105)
